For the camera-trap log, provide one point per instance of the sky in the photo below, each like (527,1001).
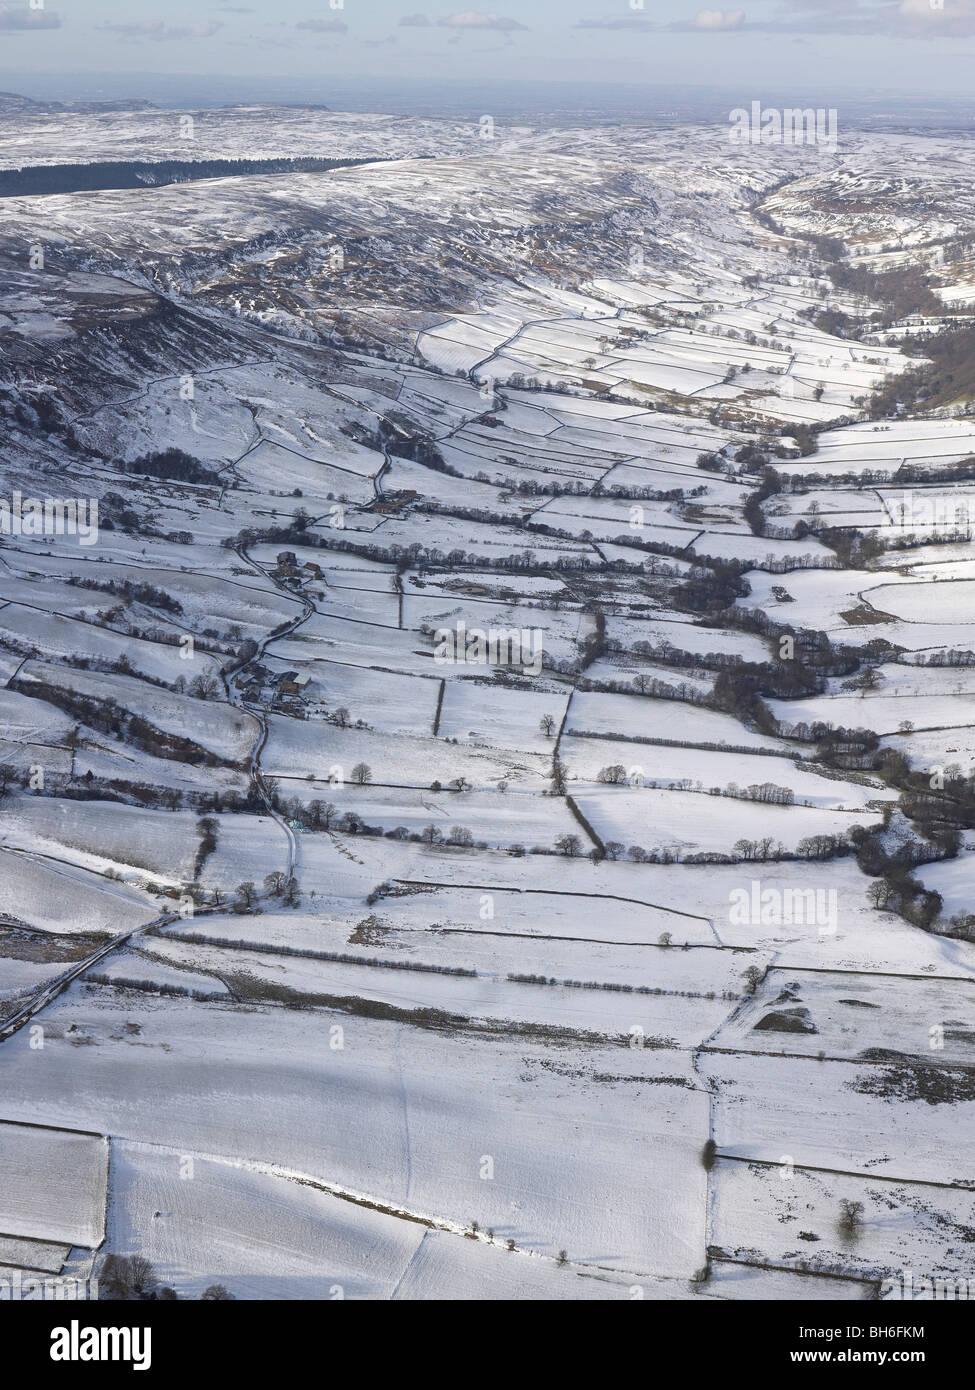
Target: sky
(889,46)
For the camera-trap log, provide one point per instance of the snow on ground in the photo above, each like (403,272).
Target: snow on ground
(52,896)
(772,1107)
(792,1217)
(703,770)
(227,733)
(300,751)
(108,835)
(650,720)
(421,1140)
(852,1015)
(53,1184)
(435,1034)
(692,822)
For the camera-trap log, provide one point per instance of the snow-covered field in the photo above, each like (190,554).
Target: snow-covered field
(362,972)
(54,1183)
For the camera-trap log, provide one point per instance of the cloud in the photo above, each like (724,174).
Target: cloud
(414,21)
(474,19)
(133,31)
(705,20)
(158,30)
(628,21)
(906,19)
(23,20)
(956,19)
(323,26)
(719,19)
(884,18)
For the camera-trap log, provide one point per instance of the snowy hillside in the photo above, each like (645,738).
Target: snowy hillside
(495,791)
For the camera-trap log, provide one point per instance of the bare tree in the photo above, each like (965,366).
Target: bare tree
(881,893)
(569,845)
(247,893)
(321,814)
(851,1219)
(613,774)
(204,686)
(124,1278)
(752,977)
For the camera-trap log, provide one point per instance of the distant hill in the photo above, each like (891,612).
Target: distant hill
(34,180)
(12,104)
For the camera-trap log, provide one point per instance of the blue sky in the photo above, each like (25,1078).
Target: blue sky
(891,45)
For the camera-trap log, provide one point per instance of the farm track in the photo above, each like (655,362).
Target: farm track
(255,761)
(51,991)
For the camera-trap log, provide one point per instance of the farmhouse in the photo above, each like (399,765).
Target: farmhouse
(395,500)
(293,684)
